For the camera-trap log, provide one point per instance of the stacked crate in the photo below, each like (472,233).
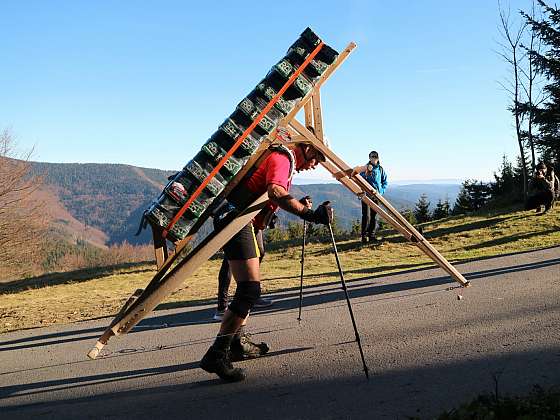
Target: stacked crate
(185,183)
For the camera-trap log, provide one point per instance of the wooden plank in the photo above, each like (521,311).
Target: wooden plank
(308,109)
(148,300)
(317,115)
(160,247)
(418,239)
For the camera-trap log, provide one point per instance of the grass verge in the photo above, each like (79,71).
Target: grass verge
(70,297)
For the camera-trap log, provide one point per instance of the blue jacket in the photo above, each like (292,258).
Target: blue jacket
(377,179)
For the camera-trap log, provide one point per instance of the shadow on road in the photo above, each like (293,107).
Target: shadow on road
(393,393)
(76,382)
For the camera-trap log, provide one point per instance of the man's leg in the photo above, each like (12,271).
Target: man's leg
(371,224)
(243,258)
(247,275)
(262,302)
(548,200)
(216,360)
(375,225)
(365,221)
(224,281)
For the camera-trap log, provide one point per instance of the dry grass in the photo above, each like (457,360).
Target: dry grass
(83,295)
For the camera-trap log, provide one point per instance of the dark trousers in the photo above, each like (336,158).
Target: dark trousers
(370,221)
(538,199)
(224,277)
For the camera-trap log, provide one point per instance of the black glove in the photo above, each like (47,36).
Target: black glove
(322,215)
(306,200)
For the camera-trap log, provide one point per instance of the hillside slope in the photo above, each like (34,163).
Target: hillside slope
(103,203)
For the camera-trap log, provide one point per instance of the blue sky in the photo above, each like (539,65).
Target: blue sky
(146,83)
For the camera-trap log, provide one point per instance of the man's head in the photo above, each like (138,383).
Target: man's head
(307,157)
(373,157)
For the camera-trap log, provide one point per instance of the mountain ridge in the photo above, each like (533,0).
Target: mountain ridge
(102,203)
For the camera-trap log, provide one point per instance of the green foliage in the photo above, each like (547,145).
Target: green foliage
(474,195)
(442,210)
(276,235)
(546,60)
(295,230)
(540,404)
(505,179)
(356,227)
(104,196)
(409,216)
(422,209)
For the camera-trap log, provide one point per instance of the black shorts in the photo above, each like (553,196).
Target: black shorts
(246,244)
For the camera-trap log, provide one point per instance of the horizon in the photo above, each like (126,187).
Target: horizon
(305,178)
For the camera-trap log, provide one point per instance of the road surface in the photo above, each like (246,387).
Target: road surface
(427,351)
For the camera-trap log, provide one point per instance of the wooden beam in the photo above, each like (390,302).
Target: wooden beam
(160,247)
(148,300)
(317,115)
(308,109)
(417,238)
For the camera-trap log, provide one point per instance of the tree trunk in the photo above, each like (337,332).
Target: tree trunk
(518,122)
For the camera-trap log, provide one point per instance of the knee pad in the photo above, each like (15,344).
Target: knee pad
(246,295)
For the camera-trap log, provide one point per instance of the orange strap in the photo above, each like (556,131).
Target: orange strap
(240,140)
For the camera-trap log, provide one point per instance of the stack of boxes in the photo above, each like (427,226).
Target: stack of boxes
(184,183)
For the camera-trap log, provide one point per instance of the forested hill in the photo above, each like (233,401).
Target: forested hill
(112,197)
(109,197)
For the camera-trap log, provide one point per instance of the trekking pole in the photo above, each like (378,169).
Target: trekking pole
(301,274)
(343,282)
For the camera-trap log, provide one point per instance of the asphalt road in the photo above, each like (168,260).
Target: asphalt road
(426,349)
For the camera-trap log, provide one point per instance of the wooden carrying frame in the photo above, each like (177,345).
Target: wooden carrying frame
(142,302)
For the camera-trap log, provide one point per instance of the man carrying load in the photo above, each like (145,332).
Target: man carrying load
(272,176)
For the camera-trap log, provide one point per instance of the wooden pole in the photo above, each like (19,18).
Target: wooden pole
(416,237)
(160,247)
(143,304)
(317,115)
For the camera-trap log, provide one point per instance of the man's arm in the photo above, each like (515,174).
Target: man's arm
(384,182)
(285,201)
(358,170)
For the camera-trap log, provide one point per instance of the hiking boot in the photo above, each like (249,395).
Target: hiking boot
(364,240)
(263,303)
(242,348)
(218,362)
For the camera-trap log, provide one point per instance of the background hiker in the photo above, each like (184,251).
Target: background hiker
(376,176)
(542,190)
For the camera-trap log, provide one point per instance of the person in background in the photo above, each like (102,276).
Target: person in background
(376,176)
(553,182)
(542,189)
